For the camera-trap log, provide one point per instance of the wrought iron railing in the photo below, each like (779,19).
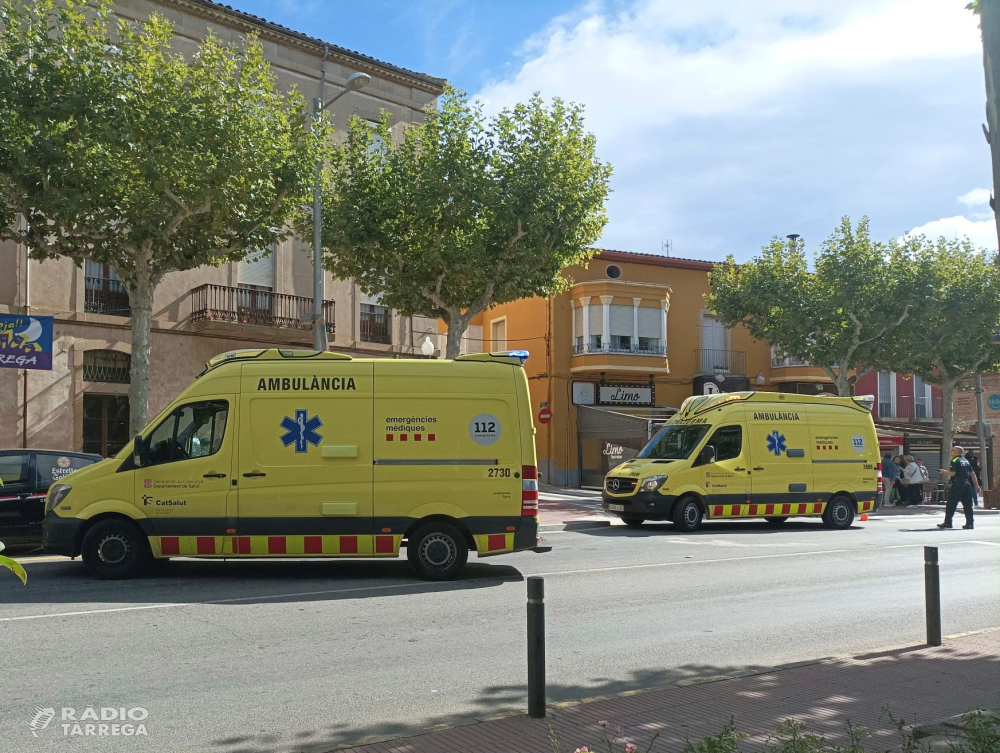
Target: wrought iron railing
(220,303)
(376,325)
(713,361)
(106,296)
(638,350)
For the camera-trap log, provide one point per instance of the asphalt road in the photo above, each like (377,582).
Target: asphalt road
(288,656)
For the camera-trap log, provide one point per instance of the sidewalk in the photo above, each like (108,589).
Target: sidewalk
(919,685)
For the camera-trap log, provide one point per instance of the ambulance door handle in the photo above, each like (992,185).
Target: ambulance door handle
(758,467)
(214,475)
(253,473)
(739,469)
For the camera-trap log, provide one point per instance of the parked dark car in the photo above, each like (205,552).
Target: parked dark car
(27,476)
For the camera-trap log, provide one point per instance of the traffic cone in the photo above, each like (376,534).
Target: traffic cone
(864,517)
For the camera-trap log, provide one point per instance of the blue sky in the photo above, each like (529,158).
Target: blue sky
(726,122)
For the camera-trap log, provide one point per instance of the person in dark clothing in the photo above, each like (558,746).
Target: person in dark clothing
(963,480)
(974,462)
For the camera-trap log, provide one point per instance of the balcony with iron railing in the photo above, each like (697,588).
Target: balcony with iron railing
(376,325)
(222,305)
(907,408)
(726,362)
(641,349)
(780,361)
(106,296)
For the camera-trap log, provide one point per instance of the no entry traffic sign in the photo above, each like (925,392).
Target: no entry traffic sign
(544,415)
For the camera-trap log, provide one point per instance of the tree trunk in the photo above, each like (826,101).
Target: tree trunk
(458,324)
(141,299)
(947,421)
(840,380)
(989,19)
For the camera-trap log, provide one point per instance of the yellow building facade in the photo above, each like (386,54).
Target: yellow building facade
(617,353)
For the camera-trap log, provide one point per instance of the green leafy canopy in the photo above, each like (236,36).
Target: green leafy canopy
(463,211)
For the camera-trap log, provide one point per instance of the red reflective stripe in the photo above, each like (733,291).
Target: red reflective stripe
(768,509)
(383,545)
(753,509)
(170,545)
(348,544)
(243,545)
(206,545)
(818,507)
(786,509)
(276,545)
(313,544)
(496,541)
(717,511)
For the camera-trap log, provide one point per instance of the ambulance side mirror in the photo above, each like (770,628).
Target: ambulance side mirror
(137,451)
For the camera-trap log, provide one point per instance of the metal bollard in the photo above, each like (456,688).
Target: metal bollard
(932,595)
(536,647)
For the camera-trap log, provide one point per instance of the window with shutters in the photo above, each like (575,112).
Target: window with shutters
(650,327)
(255,280)
(595,315)
(886,395)
(104,291)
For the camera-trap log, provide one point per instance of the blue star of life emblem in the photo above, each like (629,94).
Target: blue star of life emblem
(776,442)
(301,431)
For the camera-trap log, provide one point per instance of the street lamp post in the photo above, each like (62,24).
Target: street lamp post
(320,342)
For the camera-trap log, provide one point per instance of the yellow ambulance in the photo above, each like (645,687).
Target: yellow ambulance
(753,454)
(290,453)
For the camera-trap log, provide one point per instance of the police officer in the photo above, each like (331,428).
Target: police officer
(962,482)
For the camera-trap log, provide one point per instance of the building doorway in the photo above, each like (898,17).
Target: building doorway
(105,423)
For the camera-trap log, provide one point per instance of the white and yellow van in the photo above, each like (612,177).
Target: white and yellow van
(753,454)
(285,453)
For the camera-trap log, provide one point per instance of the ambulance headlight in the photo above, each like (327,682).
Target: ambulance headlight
(652,483)
(56,495)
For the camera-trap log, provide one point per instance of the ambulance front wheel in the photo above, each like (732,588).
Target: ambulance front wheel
(687,515)
(436,551)
(114,549)
(839,513)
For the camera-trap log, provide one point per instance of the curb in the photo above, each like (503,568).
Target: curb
(573,525)
(691,681)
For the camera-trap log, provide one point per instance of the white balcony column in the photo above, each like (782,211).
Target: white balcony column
(572,318)
(635,323)
(585,304)
(663,326)
(606,322)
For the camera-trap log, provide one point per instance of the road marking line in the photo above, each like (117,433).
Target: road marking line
(217,601)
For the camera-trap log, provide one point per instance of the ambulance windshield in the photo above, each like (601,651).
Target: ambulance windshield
(674,442)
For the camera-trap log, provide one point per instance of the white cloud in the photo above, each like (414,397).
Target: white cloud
(982,233)
(727,122)
(976,197)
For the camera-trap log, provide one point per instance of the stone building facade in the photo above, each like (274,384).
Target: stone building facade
(81,403)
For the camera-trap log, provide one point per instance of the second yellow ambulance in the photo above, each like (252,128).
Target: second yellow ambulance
(753,454)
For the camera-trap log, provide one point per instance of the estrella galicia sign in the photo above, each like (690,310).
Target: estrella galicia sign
(776,443)
(301,431)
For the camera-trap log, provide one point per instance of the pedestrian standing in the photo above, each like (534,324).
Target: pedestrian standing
(963,480)
(974,462)
(918,477)
(890,474)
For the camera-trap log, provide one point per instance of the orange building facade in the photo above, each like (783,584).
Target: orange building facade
(614,355)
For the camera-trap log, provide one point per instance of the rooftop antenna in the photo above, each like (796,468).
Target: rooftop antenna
(667,246)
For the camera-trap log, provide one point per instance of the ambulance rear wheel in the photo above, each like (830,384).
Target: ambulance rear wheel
(777,520)
(687,515)
(114,549)
(839,513)
(634,522)
(436,551)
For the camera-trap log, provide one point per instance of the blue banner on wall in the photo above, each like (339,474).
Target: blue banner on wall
(25,342)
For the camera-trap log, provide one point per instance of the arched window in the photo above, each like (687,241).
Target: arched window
(106,366)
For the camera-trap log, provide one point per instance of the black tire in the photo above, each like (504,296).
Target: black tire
(687,515)
(839,513)
(633,522)
(436,551)
(115,549)
(777,520)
